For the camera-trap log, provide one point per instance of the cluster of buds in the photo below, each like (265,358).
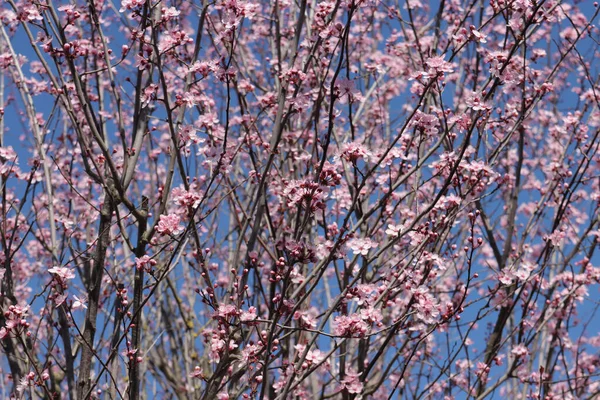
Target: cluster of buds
(145,263)
(298,251)
(71,13)
(279,270)
(130,353)
(329,176)
(16,323)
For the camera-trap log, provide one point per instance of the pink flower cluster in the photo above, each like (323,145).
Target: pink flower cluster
(351,382)
(350,326)
(169,225)
(15,321)
(305,194)
(361,245)
(145,263)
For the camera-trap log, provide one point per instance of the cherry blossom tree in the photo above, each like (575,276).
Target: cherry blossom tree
(336,199)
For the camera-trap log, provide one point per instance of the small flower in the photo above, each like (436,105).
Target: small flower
(361,245)
(315,356)
(352,382)
(8,154)
(32,13)
(353,151)
(438,64)
(222,396)
(346,91)
(556,238)
(426,305)
(371,315)
(131,4)
(78,303)
(483,371)
(24,383)
(248,316)
(476,102)
(394,230)
(196,373)
(306,194)
(476,35)
(329,175)
(299,251)
(350,326)
(145,263)
(62,273)
(520,351)
(189,99)
(149,94)
(169,13)
(225,312)
(451,201)
(306,319)
(188,136)
(169,225)
(141,62)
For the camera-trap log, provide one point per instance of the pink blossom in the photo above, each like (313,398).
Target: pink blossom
(351,382)
(346,91)
(371,315)
(32,13)
(325,248)
(204,68)
(149,94)
(71,12)
(24,383)
(141,62)
(315,356)
(223,395)
(394,230)
(305,319)
(300,251)
(189,99)
(78,303)
(306,194)
(62,273)
(361,245)
(350,326)
(369,188)
(15,320)
(7,154)
(438,64)
(556,238)
(250,353)
(226,311)
(170,13)
(354,151)
(131,4)
(483,371)
(145,263)
(426,306)
(520,350)
(188,135)
(169,225)
(8,161)
(197,372)
(451,201)
(217,347)
(477,103)
(477,36)
(329,175)
(248,316)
